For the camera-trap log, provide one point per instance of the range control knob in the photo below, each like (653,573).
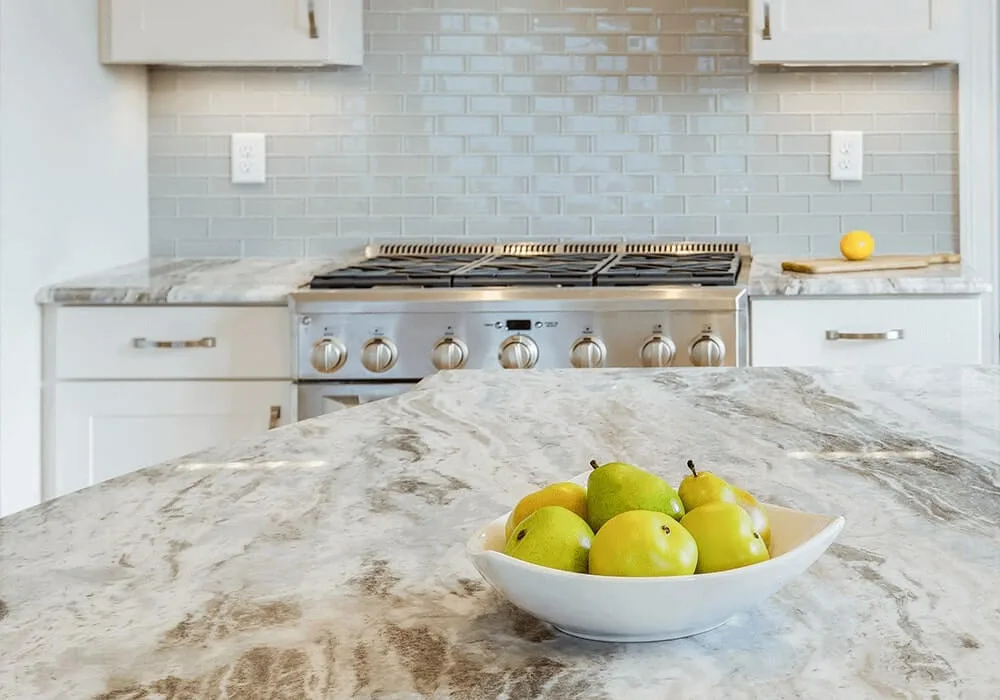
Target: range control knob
(328,355)
(449,353)
(378,355)
(707,351)
(518,352)
(587,352)
(657,351)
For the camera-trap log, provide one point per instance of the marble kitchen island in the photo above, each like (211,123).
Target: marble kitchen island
(326,559)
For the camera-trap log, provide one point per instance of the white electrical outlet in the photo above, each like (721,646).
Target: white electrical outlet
(846,155)
(248,159)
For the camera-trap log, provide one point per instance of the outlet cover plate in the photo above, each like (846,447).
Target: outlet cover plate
(846,155)
(249,159)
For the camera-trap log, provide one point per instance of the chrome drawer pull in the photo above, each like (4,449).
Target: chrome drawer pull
(896,334)
(313,29)
(766,34)
(143,343)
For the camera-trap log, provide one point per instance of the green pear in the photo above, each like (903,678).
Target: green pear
(643,543)
(554,537)
(617,487)
(725,536)
(699,488)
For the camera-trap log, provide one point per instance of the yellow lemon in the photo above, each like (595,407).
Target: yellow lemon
(857,245)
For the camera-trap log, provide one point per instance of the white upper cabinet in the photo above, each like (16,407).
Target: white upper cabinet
(232,32)
(858,32)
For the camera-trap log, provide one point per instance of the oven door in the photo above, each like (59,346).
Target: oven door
(319,398)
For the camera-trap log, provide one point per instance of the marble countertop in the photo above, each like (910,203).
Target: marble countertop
(768,279)
(270,281)
(266,281)
(326,559)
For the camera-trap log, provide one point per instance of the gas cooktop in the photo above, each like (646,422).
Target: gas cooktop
(632,269)
(407,310)
(583,265)
(555,269)
(395,270)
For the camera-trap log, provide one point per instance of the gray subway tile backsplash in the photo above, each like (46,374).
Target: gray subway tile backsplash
(551,118)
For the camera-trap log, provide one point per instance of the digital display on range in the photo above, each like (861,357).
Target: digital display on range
(516,325)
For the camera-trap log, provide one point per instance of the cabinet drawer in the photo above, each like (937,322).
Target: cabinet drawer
(191,342)
(866,331)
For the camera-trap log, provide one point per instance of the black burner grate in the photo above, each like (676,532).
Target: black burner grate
(563,270)
(577,269)
(395,270)
(707,269)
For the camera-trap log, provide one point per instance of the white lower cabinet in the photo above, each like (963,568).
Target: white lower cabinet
(101,430)
(865,331)
(130,386)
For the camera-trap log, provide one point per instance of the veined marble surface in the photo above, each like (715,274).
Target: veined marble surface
(192,281)
(270,281)
(768,279)
(326,559)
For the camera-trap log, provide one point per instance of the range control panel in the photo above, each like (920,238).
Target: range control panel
(414,345)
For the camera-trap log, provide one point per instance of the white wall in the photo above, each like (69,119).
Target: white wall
(73,196)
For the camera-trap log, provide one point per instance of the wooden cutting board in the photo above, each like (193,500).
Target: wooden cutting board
(822,266)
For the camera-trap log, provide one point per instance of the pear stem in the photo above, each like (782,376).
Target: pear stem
(594,464)
(691,467)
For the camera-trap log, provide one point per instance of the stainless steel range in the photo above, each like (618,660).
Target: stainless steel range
(375,328)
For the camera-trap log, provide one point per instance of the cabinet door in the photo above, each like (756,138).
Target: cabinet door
(100,430)
(232,32)
(875,32)
(865,331)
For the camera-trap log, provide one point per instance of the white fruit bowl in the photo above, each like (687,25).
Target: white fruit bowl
(648,609)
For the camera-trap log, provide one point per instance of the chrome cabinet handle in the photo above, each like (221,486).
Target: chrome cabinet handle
(143,343)
(766,34)
(275,420)
(896,334)
(313,29)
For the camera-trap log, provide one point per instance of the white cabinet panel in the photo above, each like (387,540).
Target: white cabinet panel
(101,430)
(170,342)
(865,331)
(821,32)
(232,32)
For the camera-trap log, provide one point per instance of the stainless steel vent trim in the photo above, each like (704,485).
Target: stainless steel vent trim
(680,248)
(550,248)
(428,249)
(529,249)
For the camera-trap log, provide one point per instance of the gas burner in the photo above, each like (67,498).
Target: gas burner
(692,269)
(395,270)
(561,270)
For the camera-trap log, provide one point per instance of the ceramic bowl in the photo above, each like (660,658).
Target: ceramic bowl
(624,609)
